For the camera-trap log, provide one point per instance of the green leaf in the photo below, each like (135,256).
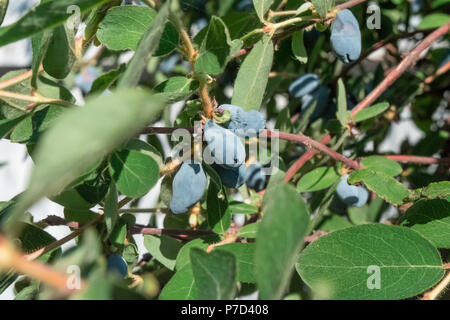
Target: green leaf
(6,125)
(252,77)
(431,218)
(106,80)
(345,264)
(118,234)
(249,230)
(214,274)
(261,7)
(334,222)
(147,46)
(123,27)
(164,249)
(80,216)
(382,164)
(111,209)
(279,240)
(219,218)
(323,6)
(237,207)
(371,112)
(383,185)
(317,179)
(298,48)
(215,47)
(437,190)
(434,20)
(39,45)
(201,243)
(45,16)
(13,108)
(83,136)
(244,253)
(134,172)
(176,89)
(3,8)
(181,286)
(60,53)
(342,114)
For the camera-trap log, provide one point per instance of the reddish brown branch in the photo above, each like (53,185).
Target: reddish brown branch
(163,130)
(310,143)
(303,159)
(349,4)
(419,159)
(445,68)
(408,61)
(137,229)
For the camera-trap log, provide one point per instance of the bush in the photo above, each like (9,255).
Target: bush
(283,121)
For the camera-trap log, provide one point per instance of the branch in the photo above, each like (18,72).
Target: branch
(11,259)
(137,229)
(408,61)
(438,290)
(303,159)
(441,70)
(310,143)
(375,47)
(419,159)
(163,130)
(18,79)
(58,243)
(349,4)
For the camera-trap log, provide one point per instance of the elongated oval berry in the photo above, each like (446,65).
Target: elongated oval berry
(116,263)
(320,96)
(352,195)
(188,186)
(237,119)
(346,36)
(224,147)
(255,122)
(231,177)
(306,84)
(254,178)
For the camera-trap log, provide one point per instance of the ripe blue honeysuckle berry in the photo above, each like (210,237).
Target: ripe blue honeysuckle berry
(116,263)
(320,96)
(346,36)
(188,186)
(356,196)
(254,177)
(306,84)
(224,147)
(231,178)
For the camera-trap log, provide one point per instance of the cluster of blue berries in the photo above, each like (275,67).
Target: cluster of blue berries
(227,157)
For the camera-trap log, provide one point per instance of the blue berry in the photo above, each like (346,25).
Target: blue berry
(244,123)
(188,186)
(352,195)
(346,36)
(416,5)
(224,146)
(320,96)
(254,178)
(231,178)
(306,84)
(116,263)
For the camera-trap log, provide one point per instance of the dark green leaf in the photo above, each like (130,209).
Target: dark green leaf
(317,179)
(214,274)
(346,264)
(279,240)
(219,218)
(164,249)
(382,164)
(252,77)
(371,112)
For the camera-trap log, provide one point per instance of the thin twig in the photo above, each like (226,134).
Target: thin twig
(18,79)
(438,290)
(300,162)
(310,143)
(419,159)
(408,61)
